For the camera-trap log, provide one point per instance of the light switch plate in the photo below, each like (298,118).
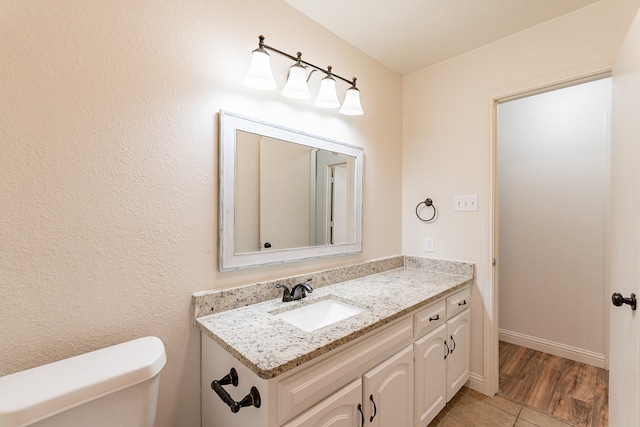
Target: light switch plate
(466,203)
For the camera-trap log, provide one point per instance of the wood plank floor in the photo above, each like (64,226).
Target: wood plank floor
(571,391)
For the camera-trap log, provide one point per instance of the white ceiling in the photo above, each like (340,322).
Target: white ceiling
(408,35)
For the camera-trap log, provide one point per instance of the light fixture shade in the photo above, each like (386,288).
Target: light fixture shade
(296,86)
(259,75)
(351,105)
(327,97)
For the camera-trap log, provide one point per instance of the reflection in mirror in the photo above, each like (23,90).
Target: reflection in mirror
(285,195)
(300,194)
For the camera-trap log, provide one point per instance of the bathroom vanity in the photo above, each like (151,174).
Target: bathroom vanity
(396,360)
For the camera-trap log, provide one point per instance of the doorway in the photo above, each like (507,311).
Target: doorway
(552,175)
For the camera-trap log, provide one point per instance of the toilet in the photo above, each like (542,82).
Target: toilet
(113,386)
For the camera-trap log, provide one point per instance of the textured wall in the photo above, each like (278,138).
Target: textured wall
(108,168)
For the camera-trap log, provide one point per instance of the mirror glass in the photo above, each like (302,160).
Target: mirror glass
(285,195)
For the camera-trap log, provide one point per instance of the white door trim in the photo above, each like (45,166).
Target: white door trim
(545,84)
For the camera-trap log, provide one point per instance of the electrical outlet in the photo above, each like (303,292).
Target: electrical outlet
(466,203)
(428,244)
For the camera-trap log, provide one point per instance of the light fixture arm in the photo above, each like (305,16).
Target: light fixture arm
(309,76)
(299,59)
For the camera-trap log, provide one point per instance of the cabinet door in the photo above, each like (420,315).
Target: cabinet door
(430,376)
(388,392)
(341,409)
(458,360)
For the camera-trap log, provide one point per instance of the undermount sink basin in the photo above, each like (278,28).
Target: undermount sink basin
(319,314)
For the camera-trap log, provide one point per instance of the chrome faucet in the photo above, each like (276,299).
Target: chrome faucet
(299,291)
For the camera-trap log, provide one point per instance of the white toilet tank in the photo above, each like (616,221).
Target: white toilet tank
(114,386)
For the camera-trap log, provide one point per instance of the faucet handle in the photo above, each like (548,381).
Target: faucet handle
(286,294)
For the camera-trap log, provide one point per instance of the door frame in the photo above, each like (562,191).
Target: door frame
(491,279)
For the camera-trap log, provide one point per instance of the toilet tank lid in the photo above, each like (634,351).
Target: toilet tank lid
(43,391)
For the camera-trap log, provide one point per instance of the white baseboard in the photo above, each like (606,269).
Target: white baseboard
(557,349)
(476,382)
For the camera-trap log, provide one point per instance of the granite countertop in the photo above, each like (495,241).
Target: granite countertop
(270,346)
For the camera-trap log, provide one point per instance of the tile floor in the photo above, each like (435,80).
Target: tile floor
(472,409)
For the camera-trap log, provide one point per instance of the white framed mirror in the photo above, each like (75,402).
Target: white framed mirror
(285,195)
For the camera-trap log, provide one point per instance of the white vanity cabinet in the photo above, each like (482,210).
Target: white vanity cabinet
(383,397)
(395,375)
(321,392)
(388,391)
(442,357)
(430,375)
(458,360)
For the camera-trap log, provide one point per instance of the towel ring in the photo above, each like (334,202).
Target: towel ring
(427,202)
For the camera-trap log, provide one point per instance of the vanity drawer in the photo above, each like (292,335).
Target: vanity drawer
(458,302)
(429,318)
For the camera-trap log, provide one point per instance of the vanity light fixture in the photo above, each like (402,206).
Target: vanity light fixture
(296,86)
(260,77)
(327,96)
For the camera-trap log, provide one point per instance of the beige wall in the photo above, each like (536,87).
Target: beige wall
(447,132)
(108,168)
